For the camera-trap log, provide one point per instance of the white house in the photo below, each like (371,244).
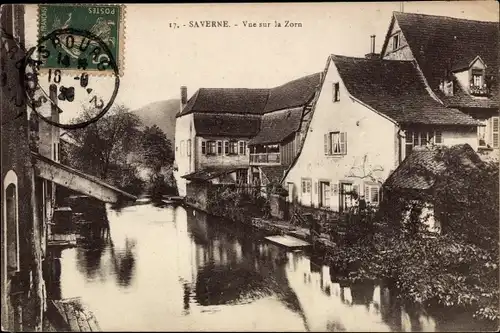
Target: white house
(458,59)
(369,115)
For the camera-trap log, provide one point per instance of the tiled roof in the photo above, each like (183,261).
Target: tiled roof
(443,43)
(278,125)
(395,89)
(253,101)
(210,124)
(420,169)
(211,173)
(294,93)
(227,100)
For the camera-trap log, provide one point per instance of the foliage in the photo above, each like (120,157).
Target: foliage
(276,188)
(156,149)
(160,185)
(237,205)
(456,269)
(114,147)
(105,142)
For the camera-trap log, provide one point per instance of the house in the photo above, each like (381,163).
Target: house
(369,115)
(242,135)
(459,61)
(416,178)
(30,173)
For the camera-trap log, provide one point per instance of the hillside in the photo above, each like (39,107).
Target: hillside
(162,114)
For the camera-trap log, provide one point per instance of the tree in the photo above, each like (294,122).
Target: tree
(156,148)
(106,141)
(104,147)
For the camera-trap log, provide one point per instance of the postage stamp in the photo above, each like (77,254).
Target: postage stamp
(105,22)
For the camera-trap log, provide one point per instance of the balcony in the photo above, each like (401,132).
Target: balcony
(479,91)
(265,158)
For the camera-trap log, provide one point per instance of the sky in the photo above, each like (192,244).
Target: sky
(159,59)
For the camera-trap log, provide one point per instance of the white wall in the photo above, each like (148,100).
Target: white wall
(368,134)
(184,131)
(461,136)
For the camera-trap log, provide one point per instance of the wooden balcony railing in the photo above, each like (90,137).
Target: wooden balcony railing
(265,158)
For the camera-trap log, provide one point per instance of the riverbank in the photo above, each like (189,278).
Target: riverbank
(439,272)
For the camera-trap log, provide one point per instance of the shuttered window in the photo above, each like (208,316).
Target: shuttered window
(372,194)
(203,148)
(219,147)
(495,131)
(335,143)
(243,148)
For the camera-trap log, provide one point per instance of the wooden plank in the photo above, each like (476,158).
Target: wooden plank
(70,313)
(82,321)
(78,181)
(93,324)
(288,241)
(57,315)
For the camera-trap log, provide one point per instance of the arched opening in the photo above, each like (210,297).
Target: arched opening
(12,228)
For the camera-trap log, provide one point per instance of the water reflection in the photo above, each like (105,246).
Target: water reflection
(166,268)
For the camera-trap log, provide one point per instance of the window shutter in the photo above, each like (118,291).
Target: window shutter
(495,131)
(343,143)
(326,144)
(438,137)
(367,193)
(335,188)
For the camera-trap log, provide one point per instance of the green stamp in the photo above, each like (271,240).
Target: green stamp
(106,22)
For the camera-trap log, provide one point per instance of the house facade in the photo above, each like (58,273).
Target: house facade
(365,121)
(458,59)
(240,135)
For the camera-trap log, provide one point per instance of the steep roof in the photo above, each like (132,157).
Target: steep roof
(210,124)
(277,126)
(442,43)
(294,93)
(420,169)
(395,89)
(227,100)
(253,101)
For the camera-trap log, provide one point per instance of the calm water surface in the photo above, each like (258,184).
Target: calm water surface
(173,268)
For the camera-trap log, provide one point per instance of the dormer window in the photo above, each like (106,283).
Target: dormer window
(478,84)
(395,42)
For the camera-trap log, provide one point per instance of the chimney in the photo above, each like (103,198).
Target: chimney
(372,54)
(183,97)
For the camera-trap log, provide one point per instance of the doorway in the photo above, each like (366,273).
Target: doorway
(324,194)
(345,196)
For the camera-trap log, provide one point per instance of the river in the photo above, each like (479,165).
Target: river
(173,268)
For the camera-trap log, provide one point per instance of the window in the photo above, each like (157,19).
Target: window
(181,148)
(372,193)
(203,148)
(188,147)
(306,186)
(211,148)
(395,42)
(324,198)
(481,134)
(233,147)
(415,139)
(219,147)
(495,131)
(11,218)
(226,147)
(243,148)
(336,143)
(336,92)
(477,78)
